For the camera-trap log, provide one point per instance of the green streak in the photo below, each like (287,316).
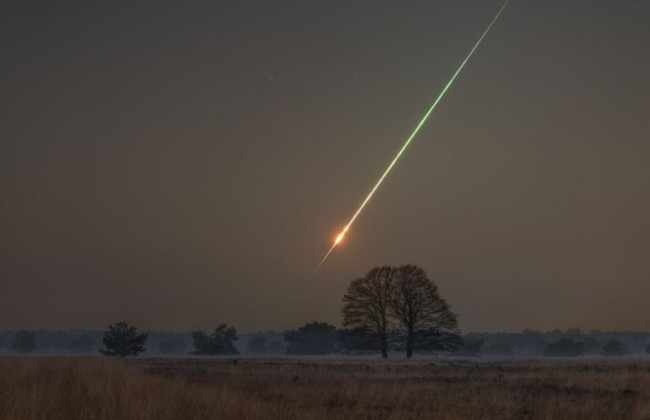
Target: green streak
(415,131)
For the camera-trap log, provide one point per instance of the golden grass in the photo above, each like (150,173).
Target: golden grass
(312,388)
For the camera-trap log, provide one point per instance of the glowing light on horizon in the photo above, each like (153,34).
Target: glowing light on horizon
(410,138)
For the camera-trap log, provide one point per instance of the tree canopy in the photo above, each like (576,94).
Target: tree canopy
(367,305)
(400,302)
(121,339)
(219,342)
(312,338)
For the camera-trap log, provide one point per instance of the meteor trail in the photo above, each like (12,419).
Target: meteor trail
(341,235)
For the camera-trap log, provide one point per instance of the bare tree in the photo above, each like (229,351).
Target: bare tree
(417,306)
(367,304)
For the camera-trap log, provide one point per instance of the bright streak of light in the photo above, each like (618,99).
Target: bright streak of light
(340,237)
(411,137)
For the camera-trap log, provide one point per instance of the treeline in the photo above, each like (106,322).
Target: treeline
(390,309)
(571,342)
(81,341)
(320,338)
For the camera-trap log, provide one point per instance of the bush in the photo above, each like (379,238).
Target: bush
(219,342)
(564,348)
(312,338)
(615,347)
(123,340)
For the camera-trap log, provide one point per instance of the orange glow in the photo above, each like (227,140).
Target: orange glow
(341,235)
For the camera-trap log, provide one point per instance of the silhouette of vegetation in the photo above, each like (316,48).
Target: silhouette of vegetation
(357,341)
(261,345)
(564,348)
(397,303)
(312,338)
(435,341)
(219,342)
(416,306)
(615,347)
(24,342)
(82,344)
(123,340)
(367,305)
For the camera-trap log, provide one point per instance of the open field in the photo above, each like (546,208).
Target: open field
(323,388)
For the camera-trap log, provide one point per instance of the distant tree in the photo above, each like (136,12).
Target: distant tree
(312,338)
(81,344)
(615,347)
(367,305)
(499,349)
(647,348)
(219,342)
(470,348)
(24,342)
(175,346)
(121,339)
(565,347)
(416,305)
(257,345)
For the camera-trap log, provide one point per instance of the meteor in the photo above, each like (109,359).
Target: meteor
(341,235)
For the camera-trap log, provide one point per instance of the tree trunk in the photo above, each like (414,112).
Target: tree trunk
(409,344)
(384,348)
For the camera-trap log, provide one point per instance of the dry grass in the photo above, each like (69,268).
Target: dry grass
(219,388)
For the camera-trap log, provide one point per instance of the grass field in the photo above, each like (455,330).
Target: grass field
(323,388)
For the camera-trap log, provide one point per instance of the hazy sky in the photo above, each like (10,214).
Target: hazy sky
(179,164)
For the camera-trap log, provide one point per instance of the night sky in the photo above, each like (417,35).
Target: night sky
(183,164)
